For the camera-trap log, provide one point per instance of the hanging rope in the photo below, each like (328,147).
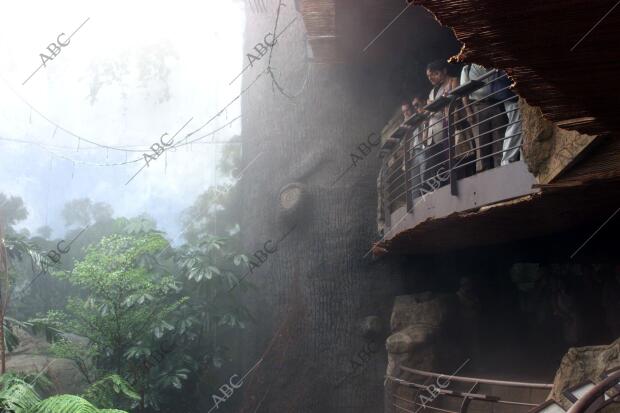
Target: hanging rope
(274,81)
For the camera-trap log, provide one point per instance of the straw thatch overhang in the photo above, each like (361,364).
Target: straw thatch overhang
(530,39)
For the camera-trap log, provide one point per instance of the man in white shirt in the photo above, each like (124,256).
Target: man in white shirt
(484,114)
(512,141)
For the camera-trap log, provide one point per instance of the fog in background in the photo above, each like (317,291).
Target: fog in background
(135,70)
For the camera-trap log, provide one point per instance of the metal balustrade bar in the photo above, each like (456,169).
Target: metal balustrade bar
(485,120)
(592,397)
(471,126)
(426,159)
(480,381)
(446,392)
(459,165)
(454,393)
(474,101)
(444,100)
(460,131)
(416,187)
(413,163)
(473,138)
(481,100)
(491,154)
(484,98)
(506,125)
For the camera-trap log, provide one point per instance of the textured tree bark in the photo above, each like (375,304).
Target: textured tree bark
(309,141)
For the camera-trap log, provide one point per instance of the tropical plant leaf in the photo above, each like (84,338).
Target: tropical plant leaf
(105,392)
(65,403)
(17,396)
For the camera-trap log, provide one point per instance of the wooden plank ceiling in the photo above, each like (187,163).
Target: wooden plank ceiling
(530,39)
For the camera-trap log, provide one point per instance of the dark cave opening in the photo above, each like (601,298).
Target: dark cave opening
(531,301)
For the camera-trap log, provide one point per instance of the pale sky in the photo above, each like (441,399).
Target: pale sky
(150,66)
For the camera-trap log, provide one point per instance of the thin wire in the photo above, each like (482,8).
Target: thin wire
(114,148)
(46,149)
(274,81)
(219,113)
(67,158)
(181,143)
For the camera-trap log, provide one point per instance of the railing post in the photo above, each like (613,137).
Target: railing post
(386,200)
(407,168)
(467,400)
(453,181)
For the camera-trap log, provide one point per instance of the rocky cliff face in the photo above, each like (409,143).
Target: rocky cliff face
(32,356)
(424,327)
(548,149)
(581,364)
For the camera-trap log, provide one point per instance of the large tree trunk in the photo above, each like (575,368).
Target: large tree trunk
(309,140)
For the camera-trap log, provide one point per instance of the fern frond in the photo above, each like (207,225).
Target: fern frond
(105,392)
(16,395)
(64,403)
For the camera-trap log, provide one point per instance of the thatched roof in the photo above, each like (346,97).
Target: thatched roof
(530,39)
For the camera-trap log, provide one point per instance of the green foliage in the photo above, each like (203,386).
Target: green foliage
(107,391)
(151,317)
(83,212)
(151,64)
(231,158)
(64,403)
(19,396)
(210,275)
(12,210)
(38,326)
(123,302)
(19,248)
(213,211)
(141,225)
(11,340)
(127,305)
(79,354)
(44,232)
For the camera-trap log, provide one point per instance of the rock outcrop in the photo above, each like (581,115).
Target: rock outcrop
(32,356)
(581,364)
(547,148)
(420,325)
